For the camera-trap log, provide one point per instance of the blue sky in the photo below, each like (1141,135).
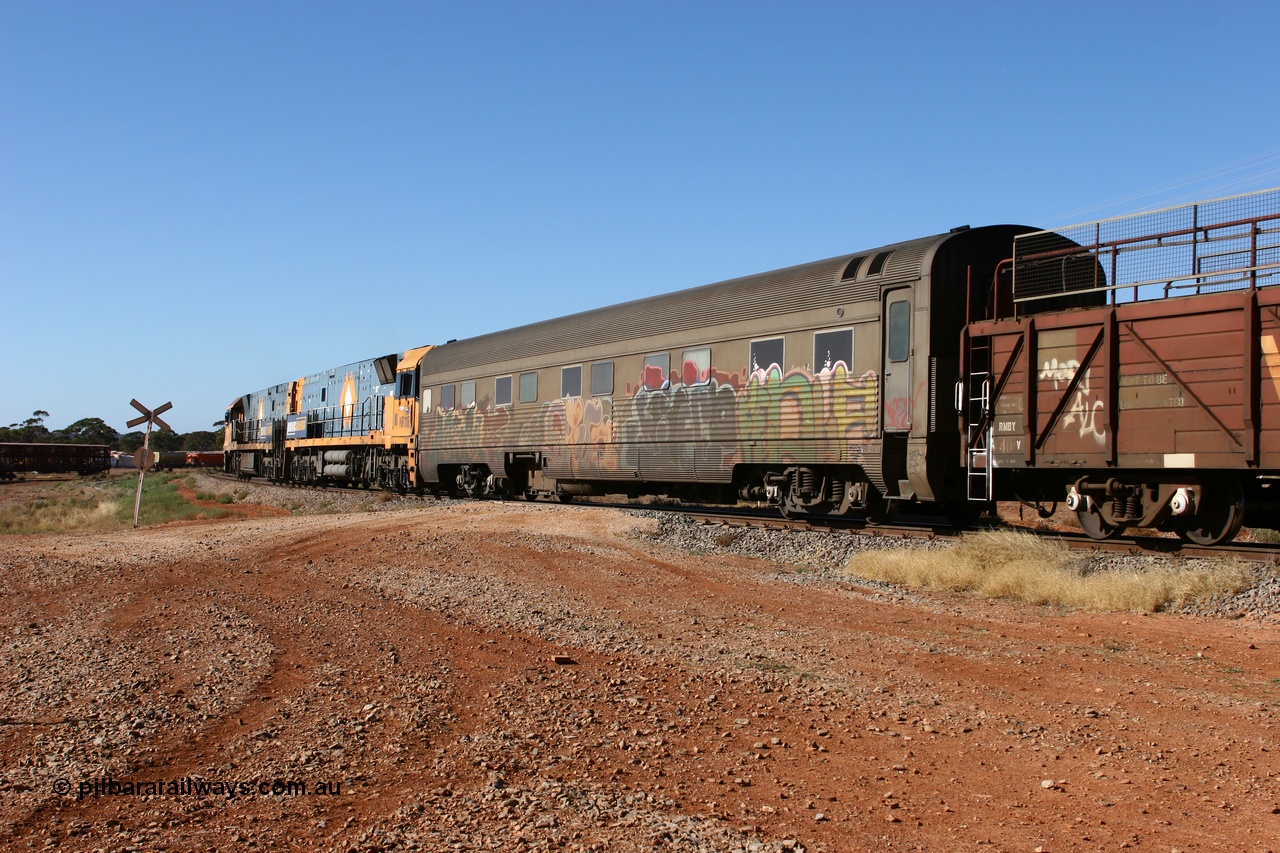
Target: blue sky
(198,200)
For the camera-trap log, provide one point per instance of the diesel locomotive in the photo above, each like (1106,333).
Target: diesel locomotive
(952,371)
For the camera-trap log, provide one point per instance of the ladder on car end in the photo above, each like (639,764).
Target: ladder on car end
(978,422)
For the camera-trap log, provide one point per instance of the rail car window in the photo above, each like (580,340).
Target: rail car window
(406,386)
(766,356)
(502,391)
(601,378)
(851,269)
(695,366)
(447,393)
(426,399)
(571,381)
(528,387)
(322,394)
(832,348)
(468,395)
(657,370)
(877,263)
(899,330)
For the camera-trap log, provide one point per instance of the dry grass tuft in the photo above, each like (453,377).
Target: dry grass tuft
(96,505)
(1024,567)
(727,538)
(82,510)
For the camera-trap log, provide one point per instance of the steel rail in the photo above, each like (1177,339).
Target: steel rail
(928,527)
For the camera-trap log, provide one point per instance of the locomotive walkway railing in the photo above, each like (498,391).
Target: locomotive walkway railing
(330,422)
(1228,244)
(335,421)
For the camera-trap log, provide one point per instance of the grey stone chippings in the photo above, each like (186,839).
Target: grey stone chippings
(821,558)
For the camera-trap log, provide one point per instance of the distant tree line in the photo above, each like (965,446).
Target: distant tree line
(96,431)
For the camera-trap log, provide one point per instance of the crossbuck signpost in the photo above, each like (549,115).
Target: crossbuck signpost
(144,457)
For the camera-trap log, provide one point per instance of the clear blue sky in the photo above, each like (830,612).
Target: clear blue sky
(200,199)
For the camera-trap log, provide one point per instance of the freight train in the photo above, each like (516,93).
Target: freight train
(1129,368)
(18,458)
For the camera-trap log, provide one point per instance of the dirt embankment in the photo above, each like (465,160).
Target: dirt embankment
(537,677)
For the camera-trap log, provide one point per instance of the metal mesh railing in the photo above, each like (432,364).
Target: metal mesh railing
(1227,244)
(347,420)
(330,422)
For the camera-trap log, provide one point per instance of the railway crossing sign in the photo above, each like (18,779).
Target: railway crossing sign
(149,416)
(144,458)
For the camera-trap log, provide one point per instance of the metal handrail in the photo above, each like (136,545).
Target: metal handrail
(1156,254)
(366,417)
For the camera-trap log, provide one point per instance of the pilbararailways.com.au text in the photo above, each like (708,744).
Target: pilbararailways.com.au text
(188,787)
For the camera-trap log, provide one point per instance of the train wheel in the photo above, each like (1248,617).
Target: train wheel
(1220,517)
(1094,525)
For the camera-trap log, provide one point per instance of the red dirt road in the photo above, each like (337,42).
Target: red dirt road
(713,702)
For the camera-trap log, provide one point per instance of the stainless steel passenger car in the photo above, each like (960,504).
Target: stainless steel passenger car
(825,388)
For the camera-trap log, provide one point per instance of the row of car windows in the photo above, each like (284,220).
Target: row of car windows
(829,348)
(697,363)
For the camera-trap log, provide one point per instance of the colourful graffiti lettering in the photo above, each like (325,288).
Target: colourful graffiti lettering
(683,431)
(690,374)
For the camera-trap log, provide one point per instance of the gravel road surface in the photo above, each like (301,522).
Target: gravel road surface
(371,674)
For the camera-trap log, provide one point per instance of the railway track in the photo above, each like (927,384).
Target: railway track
(916,527)
(937,528)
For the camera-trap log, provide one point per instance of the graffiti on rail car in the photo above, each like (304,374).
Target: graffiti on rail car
(705,427)
(1086,412)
